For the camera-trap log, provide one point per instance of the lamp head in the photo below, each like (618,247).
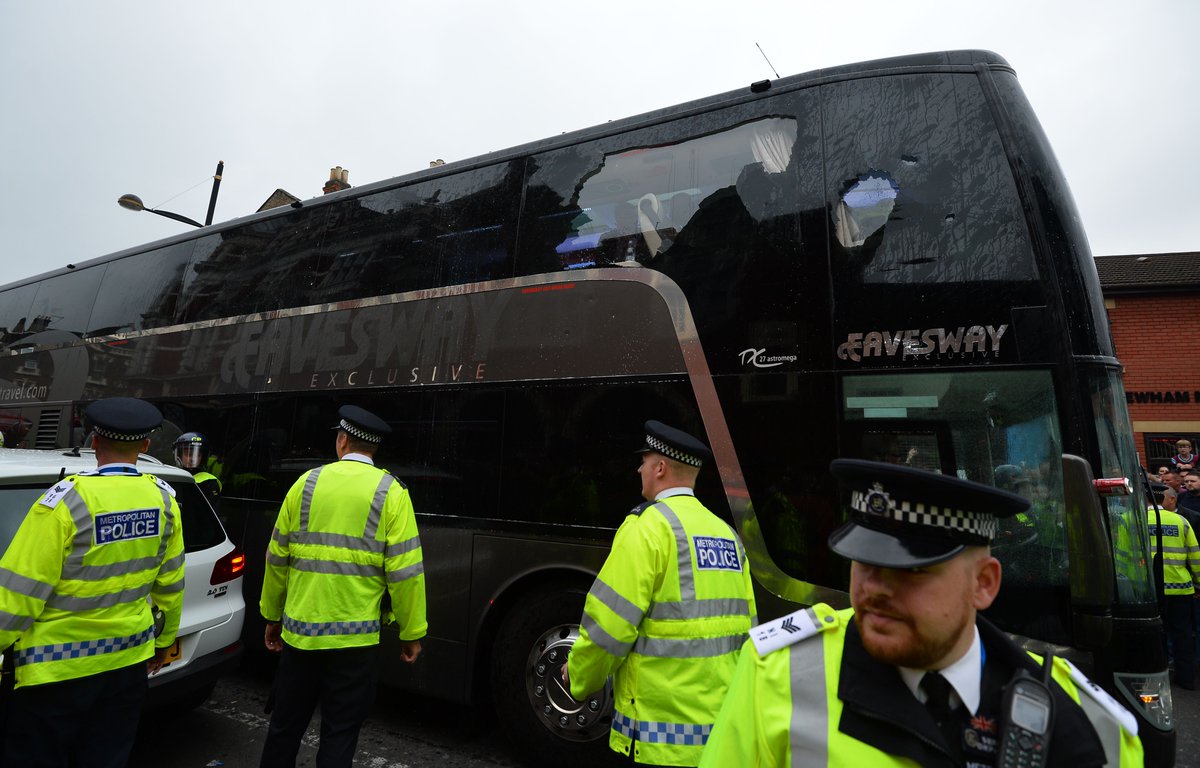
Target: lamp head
(132,202)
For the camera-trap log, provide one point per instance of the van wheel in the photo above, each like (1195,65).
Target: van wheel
(548,726)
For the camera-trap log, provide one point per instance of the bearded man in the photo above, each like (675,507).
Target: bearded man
(911,674)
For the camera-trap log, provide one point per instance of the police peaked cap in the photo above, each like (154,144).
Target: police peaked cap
(902,517)
(362,424)
(125,419)
(674,444)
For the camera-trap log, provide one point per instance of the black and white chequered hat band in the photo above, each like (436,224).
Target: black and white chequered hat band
(658,446)
(354,431)
(122,436)
(875,502)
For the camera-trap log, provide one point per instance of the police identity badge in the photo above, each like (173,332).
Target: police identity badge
(713,554)
(128,525)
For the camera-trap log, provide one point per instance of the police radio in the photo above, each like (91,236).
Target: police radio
(1028,713)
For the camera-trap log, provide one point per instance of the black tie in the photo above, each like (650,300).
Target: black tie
(937,695)
(937,701)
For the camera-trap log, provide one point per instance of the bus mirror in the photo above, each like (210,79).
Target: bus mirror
(1091,556)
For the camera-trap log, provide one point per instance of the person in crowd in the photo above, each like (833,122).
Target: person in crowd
(1173,541)
(667,612)
(911,674)
(1187,502)
(1184,459)
(345,538)
(98,554)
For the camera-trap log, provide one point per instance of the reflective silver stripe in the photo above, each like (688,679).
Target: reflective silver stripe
(168,522)
(617,603)
(280,538)
(274,559)
(402,547)
(306,498)
(23,585)
(340,540)
(410,572)
(75,650)
(687,583)
(76,603)
(175,586)
(82,518)
(101,572)
(172,564)
(809,731)
(335,567)
(13,622)
(381,492)
(602,639)
(1107,727)
(651,732)
(326,628)
(745,569)
(688,647)
(700,609)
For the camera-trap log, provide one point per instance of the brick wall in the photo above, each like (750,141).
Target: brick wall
(1151,335)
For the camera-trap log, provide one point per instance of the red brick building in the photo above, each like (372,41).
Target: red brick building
(1153,304)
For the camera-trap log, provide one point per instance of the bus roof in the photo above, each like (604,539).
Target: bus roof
(950,62)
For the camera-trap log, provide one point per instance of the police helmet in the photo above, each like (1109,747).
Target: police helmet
(191,450)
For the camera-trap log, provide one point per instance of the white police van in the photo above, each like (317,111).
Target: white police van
(209,639)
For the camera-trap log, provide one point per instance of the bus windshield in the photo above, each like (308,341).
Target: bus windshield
(997,427)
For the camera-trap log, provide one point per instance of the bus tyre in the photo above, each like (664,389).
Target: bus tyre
(548,727)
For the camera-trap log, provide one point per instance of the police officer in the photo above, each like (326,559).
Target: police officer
(1180,556)
(191,453)
(346,536)
(73,599)
(667,613)
(911,675)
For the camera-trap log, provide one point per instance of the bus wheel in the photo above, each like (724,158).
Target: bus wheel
(547,725)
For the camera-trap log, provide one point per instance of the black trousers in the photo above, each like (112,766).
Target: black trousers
(1182,637)
(90,722)
(343,682)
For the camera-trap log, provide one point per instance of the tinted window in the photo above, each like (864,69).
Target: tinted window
(141,291)
(919,185)
(64,303)
(200,527)
(569,451)
(718,202)
(265,265)
(14,313)
(446,231)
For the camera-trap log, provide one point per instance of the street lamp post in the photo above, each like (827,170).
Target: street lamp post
(134,203)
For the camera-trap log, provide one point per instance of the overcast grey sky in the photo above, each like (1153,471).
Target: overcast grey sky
(106,98)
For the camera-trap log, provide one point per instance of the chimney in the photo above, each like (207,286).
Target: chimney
(338,180)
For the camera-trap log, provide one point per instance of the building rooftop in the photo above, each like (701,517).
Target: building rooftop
(1151,271)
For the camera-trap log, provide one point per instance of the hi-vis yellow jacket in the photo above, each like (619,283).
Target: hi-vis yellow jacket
(346,534)
(75,580)
(666,615)
(1180,551)
(816,698)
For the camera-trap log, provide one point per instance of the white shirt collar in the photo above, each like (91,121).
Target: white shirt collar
(965,675)
(365,459)
(117,468)
(680,491)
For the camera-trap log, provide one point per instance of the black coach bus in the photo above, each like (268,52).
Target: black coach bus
(879,260)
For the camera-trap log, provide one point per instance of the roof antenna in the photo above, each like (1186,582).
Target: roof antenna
(769,64)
